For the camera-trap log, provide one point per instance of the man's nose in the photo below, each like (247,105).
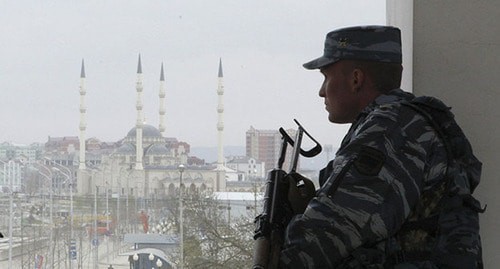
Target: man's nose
(321,92)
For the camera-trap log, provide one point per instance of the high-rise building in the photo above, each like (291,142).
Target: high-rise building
(265,145)
(26,154)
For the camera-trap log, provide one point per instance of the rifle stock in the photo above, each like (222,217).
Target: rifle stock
(271,223)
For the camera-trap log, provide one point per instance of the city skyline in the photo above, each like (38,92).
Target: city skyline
(261,55)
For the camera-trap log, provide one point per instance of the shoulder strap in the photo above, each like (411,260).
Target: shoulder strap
(457,146)
(437,127)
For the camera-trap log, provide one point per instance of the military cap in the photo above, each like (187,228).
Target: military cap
(366,43)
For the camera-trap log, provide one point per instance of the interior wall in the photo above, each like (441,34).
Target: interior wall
(399,13)
(456,57)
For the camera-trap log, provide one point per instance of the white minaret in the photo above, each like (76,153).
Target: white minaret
(140,119)
(83,124)
(162,102)
(220,121)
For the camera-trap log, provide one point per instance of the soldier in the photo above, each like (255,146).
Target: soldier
(381,197)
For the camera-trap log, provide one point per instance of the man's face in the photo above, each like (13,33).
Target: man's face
(341,99)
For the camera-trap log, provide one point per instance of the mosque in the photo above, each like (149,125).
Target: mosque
(146,163)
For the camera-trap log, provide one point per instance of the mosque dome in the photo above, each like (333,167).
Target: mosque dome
(126,149)
(157,149)
(147,131)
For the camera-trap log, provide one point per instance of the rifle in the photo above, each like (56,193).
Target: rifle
(277,211)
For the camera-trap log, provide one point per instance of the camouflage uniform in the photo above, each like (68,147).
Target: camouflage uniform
(390,155)
(388,158)
(399,192)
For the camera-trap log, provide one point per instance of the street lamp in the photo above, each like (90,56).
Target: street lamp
(128,172)
(255,191)
(181,170)
(107,222)
(69,177)
(96,236)
(48,176)
(92,171)
(8,173)
(159,263)
(135,257)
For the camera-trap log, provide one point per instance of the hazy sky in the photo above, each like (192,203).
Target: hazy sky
(262,45)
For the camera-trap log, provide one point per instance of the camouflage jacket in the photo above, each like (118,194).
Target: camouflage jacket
(387,159)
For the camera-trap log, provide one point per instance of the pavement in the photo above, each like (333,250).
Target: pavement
(105,259)
(112,258)
(116,262)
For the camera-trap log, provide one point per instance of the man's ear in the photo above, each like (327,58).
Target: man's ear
(357,79)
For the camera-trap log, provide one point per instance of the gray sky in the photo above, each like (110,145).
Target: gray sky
(262,45)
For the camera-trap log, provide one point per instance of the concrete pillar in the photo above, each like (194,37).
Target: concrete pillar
(456,48)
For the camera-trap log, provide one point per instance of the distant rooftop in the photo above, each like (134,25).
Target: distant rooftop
(150,239)
(237,196)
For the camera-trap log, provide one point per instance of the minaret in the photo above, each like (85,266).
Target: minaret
(220,182)
(83,124)
(220,120)
(140,119)
(162,102)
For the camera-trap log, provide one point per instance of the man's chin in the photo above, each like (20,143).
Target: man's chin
(334,119)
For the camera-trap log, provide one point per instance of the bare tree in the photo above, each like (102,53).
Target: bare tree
(211,238)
